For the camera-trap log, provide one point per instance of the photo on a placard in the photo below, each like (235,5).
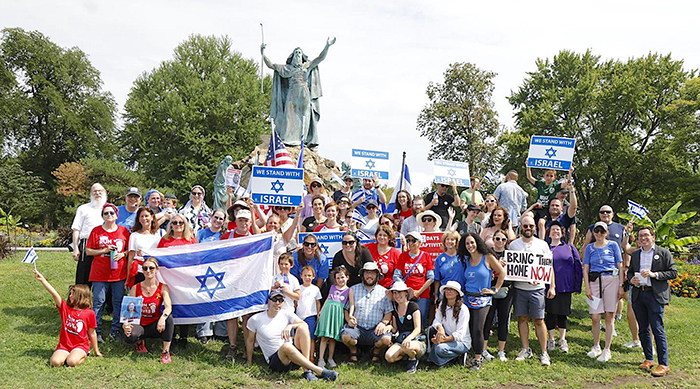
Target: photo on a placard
(131,310)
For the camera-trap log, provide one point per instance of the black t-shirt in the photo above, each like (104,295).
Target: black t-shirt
(407,324)
(444,203)
(355,278)
(310,223)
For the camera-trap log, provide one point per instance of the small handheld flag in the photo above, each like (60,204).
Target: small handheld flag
(30,257)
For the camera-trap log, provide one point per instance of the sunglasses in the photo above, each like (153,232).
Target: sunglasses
(177,223)
(605,212)
(497,239)
(428,219)
(284,208)
(310,244)
(315,185)
(148,268)
(386,223)
(277,299)
(411,240)
(196,193)
(108,213)
(599,231)
(371,207)
(218,218)
(348,242)
(527,226)
(489,201)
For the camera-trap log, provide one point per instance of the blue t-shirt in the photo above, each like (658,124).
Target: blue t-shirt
(602,259)
(449,268)
(126,218)
(207,235)
(321,267)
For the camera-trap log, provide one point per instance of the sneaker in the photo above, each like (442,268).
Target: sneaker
(203,339)
(476,364)
(487,355)
(465,360)
(605,355)
(99,339)
(502,356)
(595,352)
(524,354)
(231,354)
(618,317)
(614,332)
(309,375)
(633,344)
(411,366)
(321,363)
(140,347)
(550,345)
(165,357)
(329,375)
(564,345)
(544,359)
(331,363)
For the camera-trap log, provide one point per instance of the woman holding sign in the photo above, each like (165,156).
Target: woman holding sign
(603,277)
(479,266)
(155,322)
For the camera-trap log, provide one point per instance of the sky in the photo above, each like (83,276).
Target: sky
(387,52)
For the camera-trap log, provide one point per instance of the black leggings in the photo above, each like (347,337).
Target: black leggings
(553,321)
(477,317)
(501,307)
(148,332)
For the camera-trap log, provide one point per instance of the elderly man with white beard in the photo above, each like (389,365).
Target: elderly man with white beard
(87,217)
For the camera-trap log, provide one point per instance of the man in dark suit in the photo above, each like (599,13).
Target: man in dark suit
(650,269)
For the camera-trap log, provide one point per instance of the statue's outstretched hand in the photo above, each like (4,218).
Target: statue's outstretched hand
(262,48)
(330,41)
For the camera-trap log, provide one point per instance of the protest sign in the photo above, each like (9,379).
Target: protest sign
(369,164)
(277,186)
(432,244)
(131,310)
(637,209)
(528,267)
(233,177)
(548,152)
(448,171)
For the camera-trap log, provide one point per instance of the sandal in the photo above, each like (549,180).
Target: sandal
(376,355)
(353,358)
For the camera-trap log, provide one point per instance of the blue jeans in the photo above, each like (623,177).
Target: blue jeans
(444,352)
(99,291)
(424,306)
(650,313)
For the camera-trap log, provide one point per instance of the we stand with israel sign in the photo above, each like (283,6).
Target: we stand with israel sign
(369,164)
(447,171)
(548,152)
(277,186)
(528,267)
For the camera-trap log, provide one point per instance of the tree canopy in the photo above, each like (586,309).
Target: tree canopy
(185,116)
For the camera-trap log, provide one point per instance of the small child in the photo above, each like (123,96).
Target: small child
(170,203)
(332,317)
(547,189)
(78,324)
(289,284)
(309,305)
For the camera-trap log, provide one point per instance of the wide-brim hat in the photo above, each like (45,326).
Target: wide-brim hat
(452,285)
(399,286)
(438,219)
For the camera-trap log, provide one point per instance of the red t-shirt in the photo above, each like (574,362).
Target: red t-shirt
(75,324)
(233,234)
(419,273)
(174,242)
(101,270)
(386,262)
(150,310)
(406,214)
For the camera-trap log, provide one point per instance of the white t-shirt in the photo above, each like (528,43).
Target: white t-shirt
(537,246)
(307,301)
(269,330)
(141,241)
(86,218)
(291,282)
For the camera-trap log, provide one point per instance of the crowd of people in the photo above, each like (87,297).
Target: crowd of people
(389,295)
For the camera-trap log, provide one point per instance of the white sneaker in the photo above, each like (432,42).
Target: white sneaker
(595,352)
(633,344)
(544,359)
(605,356)
(564,345)
(618,317)
(502,356)
(524,354)
(550,345)
(614,332)
(331,363)
(321,363)
(487,355)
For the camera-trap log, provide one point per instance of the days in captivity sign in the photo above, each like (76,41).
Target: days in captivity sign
(528,267)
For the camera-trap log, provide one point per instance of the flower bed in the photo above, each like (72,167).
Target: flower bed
(687,284)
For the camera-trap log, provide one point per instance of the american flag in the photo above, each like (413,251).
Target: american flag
(277,154)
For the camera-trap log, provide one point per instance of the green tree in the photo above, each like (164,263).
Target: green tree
(183,117)
(460,120)
(52,107)
(628,131)
(21,192)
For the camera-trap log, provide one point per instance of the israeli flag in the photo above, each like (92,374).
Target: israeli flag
(218,280)
(30,256)
(358,218)
(490,176)
(405,185)
(637,209)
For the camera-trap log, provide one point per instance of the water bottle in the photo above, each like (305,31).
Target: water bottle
(112,262)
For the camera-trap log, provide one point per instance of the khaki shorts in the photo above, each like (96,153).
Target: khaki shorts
(611,285)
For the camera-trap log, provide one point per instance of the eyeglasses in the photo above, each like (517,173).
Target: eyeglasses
(527,226)
(196,193)
(605,212)
(348,242)
(177,223)
(218,218)
(108,213)
(277,299)
(148,268)
(497,239)
(310,244)
(599,231)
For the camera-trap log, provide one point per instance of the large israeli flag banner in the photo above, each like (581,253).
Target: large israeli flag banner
(448,171)
(368,164)
(277,186)
(548,152)
(218,280)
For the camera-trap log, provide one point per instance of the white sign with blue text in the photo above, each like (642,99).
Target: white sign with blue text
(448,171)
(548,152)
(277,186)
(369,164)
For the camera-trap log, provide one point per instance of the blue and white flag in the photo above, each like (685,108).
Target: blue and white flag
(218,280)
(30,256)
(637,209)
(405,185)
(490,176)
(548,152)
(358,218)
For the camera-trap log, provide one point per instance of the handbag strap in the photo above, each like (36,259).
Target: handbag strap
(413,266)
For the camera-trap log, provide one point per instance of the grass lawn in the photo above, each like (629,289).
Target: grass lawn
(29,325)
